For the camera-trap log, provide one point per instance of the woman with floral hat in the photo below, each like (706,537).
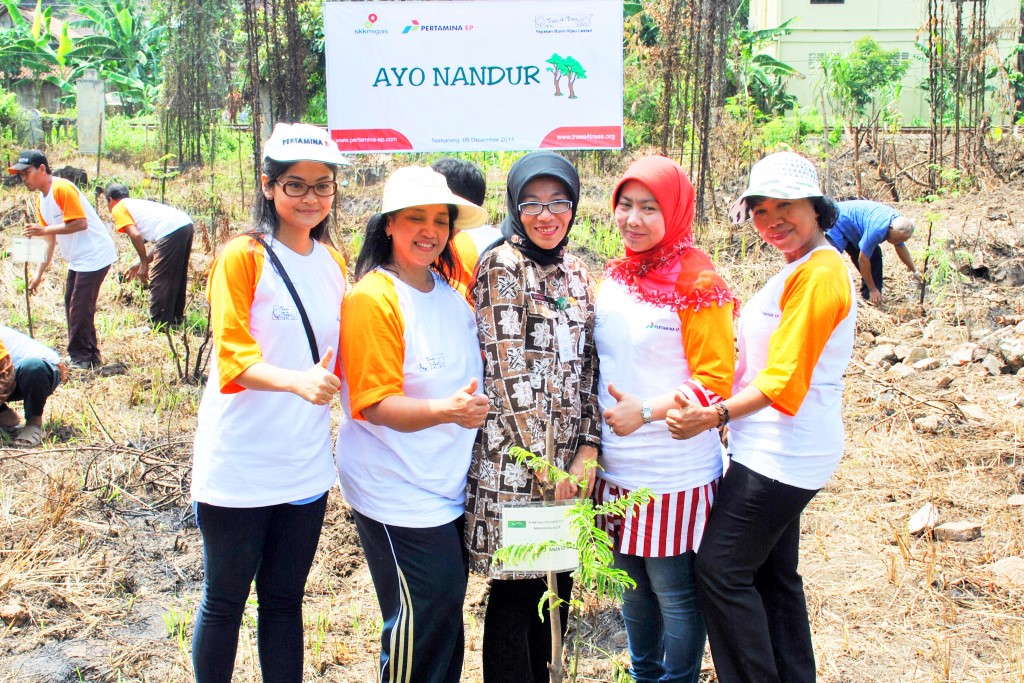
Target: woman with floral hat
(664,324)
(786,431)
(412,372)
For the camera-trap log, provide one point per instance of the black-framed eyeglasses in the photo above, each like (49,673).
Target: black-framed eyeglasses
(536,208)
(293,188)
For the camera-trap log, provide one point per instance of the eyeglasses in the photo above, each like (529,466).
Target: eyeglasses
(293,188)
(536,208)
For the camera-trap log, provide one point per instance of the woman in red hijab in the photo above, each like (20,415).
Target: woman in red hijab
(663,324)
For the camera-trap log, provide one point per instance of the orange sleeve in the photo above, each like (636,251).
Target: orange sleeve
(66,196)
(39,209)
(372,343)
(466,257)
(122,218)
(230,289)
(709,346)
(340,260)
(814,301)
(3,352)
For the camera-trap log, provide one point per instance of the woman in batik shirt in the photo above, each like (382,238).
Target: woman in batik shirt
(535,314)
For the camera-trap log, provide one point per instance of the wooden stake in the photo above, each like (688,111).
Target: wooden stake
(554,613)
(28,298)
(924,266)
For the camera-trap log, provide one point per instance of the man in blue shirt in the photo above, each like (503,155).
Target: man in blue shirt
(862,227)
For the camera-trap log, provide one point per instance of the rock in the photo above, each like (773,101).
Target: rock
(960,532)
(901,371)
(963,354)
(925,518)
(902,351)
(935,330)
(973,411)
(1009,570)
(1019,329)
(891,341)
(979,353)
(944,381)
(866,338)
(927,364)
(1012,352)
(993,365)
(881,354)
(1015,501)
(14,614)
(1010,274)
(916,353)
(929,424)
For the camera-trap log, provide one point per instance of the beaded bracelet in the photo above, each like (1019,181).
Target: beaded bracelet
(723,414)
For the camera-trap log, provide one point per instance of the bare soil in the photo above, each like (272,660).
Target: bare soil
(101,563)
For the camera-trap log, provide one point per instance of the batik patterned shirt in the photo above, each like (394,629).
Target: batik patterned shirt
(536,327)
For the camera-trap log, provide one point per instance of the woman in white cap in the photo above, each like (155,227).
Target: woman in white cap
(786,431)
(412,371)
(262,459)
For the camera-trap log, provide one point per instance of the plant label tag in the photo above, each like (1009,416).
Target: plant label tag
(532,524)
(28,250)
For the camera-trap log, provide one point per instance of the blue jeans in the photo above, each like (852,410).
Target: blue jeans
(275,545)
(663,619)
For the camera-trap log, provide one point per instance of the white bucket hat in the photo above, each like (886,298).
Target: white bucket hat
(420,186)
(783,175)
(302,142)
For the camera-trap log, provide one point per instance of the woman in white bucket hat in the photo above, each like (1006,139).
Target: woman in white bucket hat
(262,459)
(786,431)
(412,372)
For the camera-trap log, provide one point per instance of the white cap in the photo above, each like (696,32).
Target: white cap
(420,186)
(783,175)
(302,142)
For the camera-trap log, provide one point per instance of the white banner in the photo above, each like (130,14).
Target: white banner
(472,76)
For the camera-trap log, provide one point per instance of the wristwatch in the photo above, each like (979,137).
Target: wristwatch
(645,411)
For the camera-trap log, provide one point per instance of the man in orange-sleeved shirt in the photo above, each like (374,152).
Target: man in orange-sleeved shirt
(67,219)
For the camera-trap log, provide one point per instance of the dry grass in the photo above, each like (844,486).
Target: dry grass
(100,567)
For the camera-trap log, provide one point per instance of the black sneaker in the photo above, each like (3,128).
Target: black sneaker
(83,365)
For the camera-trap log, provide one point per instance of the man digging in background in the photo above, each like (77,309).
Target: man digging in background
(66,218)
(171,231)
(860,230)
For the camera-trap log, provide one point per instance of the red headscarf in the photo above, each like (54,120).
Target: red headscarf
(672,273)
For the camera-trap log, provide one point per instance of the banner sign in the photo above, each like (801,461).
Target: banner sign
(474,76)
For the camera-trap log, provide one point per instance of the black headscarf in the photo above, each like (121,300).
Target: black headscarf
(529,167)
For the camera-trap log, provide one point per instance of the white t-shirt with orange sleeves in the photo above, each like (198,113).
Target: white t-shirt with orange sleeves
(468,245)
(795,341)
(258,448)
(153,220)
(399,341)
(87,250)
(644,352)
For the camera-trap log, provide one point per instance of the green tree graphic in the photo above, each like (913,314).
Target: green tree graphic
(573,70)
(557,71)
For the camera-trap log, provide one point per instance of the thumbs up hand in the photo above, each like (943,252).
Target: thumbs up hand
(689,419)
(319,384)
(624,417)
(467,408)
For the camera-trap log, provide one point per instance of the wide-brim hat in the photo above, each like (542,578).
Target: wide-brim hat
(783,175)
(302,142)
(28,159)
(421,186)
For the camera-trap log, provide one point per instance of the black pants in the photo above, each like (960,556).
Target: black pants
(168,277)
(419,575)
(275,545)
(876,267)
(35,381)
(517,644)
(81,291)
(747,581)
